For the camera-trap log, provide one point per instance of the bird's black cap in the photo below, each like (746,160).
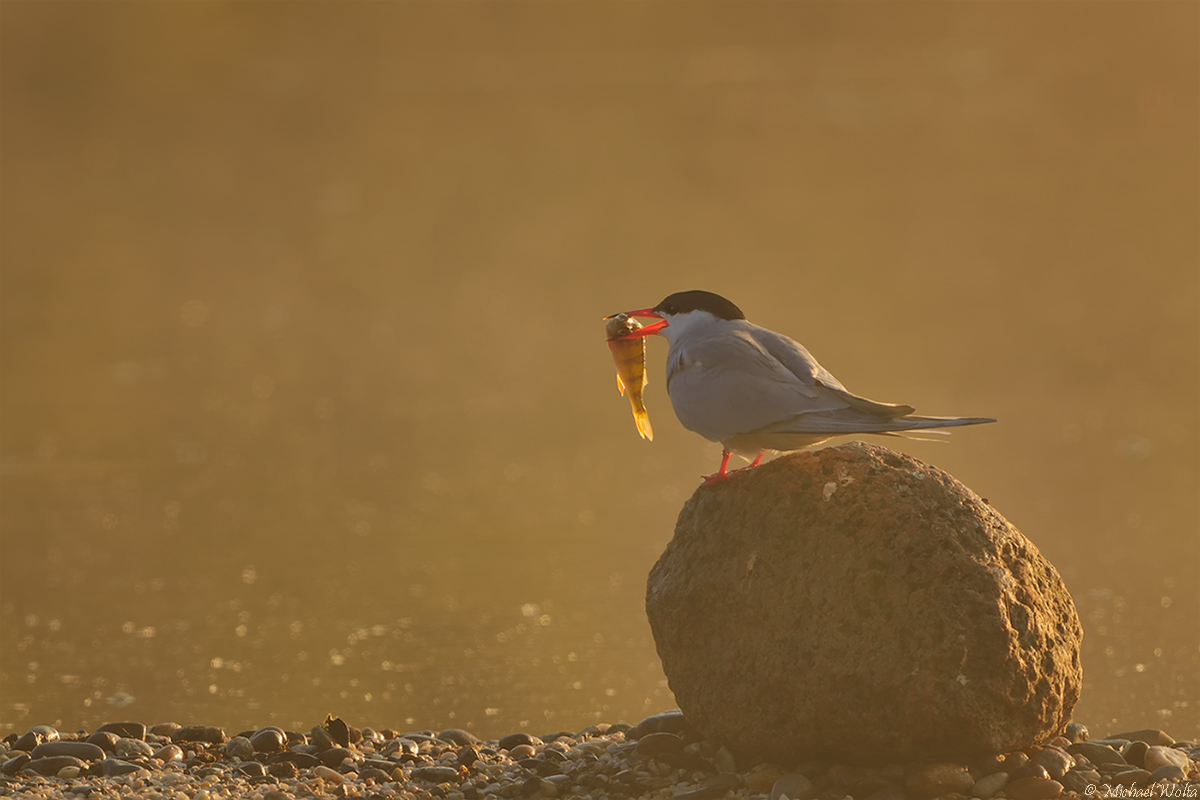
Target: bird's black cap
(699,300)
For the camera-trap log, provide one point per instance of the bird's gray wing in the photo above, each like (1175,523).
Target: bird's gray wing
(796,359)
(728,384)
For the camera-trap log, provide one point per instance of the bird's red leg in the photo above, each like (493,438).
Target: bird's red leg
(721,474)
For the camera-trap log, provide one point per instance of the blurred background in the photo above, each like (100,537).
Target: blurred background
(305,401)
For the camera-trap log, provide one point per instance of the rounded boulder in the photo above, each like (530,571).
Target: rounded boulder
(854,599)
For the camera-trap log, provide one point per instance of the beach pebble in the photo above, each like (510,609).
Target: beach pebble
(1078,780)
(1096,753)
(435,774)
(666,722)
(50,765)
(1055,760)
(1159,756)
(1076,732)
(1135,752)
(1150,736)
(81,750)
(458,736)
(125,730)
(239,747)
(14,765)
(69,773)
(320,738)
(1168,772)
(35,736)
(990,785)
(1033,789)
(934,780)
(793,786)
(329,775)
(514,739)
(268,740)
(110,767)
(105,740)
(199,733)
(168,753)
(1131,777)
(660,743)
(132,748)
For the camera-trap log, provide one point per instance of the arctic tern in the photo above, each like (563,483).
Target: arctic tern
(756,391)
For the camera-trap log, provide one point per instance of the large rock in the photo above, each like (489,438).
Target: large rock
(857,600)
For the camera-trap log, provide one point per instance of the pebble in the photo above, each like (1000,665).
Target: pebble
(240,747)
(81,750)
(124,730)
(792,786)
(170,752)
(1169,772)
(934,780)
(1159,756)
(330,775)
(986,787)
(1078,780)
(1076,732)
(1096,753)
(1131,777)
(1135,752)
(458,736)
(132,748)
(1033,789)
(35,736)
(1056,761)
(1148,735)
(50,765)
(105,740)
(659,743)
(515,739)
(666,722)
(268,740)
(199,733)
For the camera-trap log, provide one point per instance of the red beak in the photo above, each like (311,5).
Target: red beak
(648,330)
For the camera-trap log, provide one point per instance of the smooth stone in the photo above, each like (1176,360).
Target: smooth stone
(125,730)
(514,739)
(467,755)
(374,774)
(724,761)
(1078,780)
(1167,772)
(793,786)
(329,775)
(320,738)
(521,751)
(988,786)
(268,740)
(168,753)
(1030,771)
(199,733)
(35,736)
(105,740)
(659,743)
(1159,756)
(667,722)
(458,736)
(301,760)
(371,735)
(1135,752)
(69,773)
(1056,761)
(934,780)
(81,750)
(1076,732)
(334,756)
(14,765)
(1033,789)
(239,747)
(435,774)
(762,780)
(338,729)
(1130,777)
(1096,753)
(127,747)
(111,767)
(283,769)
(50,765)
(1147,735)
(404,747)
(251,769)
(165,729)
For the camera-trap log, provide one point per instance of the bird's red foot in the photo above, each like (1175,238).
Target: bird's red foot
(725,474)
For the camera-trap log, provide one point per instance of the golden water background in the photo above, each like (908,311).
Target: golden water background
(304,400)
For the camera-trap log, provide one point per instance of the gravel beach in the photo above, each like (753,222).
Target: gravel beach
(660,757)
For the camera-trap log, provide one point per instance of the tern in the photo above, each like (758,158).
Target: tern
(757,391)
